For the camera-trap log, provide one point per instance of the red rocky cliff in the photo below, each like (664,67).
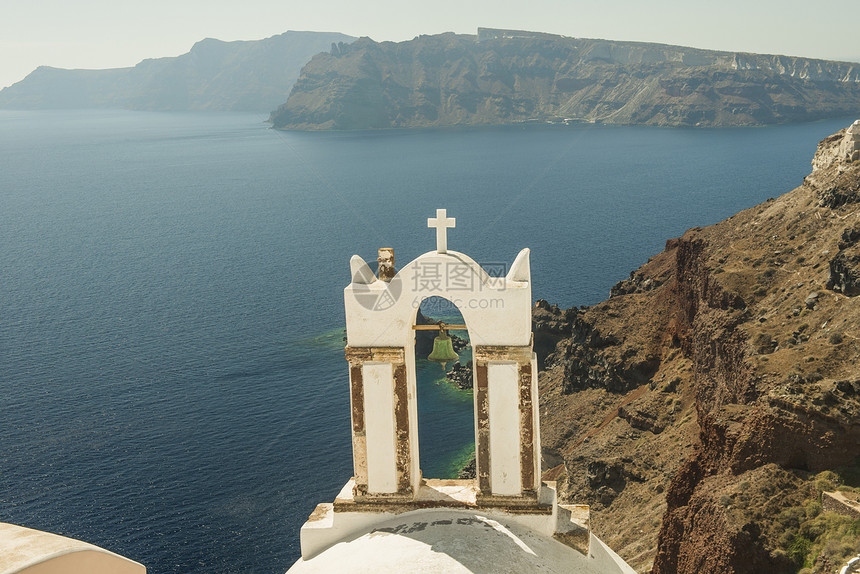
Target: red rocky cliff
(701,409)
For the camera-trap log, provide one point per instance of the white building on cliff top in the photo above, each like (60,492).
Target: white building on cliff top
(388,517)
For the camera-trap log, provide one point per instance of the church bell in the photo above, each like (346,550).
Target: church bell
(443,349)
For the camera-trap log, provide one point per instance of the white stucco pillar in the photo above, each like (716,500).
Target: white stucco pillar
(507,441)
(382,441)
(503,395)
(378,380)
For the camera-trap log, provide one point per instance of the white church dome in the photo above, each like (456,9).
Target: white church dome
(456,541)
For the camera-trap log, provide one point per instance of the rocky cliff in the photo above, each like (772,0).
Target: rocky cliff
(214,75)
(449,80)
(703,408)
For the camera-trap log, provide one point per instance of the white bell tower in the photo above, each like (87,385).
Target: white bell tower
(380,316)
(388,499)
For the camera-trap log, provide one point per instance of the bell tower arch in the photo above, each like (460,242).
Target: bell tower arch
(380,315)
(508,493)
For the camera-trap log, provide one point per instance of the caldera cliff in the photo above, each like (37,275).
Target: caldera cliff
(505,77)
(704,407)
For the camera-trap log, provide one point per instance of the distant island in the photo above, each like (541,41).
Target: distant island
(331,81)
(252,76)
(513,76)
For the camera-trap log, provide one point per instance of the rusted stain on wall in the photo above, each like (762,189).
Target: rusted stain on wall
(361,355)
(401,422)
(357,398)
(359,438)
(482,448)
(485,353)
(527,434)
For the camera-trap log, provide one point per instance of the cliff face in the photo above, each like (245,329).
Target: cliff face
(214,75)
(715,394)
(449,79)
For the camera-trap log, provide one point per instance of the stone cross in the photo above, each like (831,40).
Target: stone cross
(441,222)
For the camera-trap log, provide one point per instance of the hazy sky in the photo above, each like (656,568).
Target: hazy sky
(118,33)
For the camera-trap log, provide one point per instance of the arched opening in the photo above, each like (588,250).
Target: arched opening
(446,416)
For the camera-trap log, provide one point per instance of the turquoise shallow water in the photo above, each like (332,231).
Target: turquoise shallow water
(172,379)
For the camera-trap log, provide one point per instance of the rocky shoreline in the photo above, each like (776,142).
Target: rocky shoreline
(461,375)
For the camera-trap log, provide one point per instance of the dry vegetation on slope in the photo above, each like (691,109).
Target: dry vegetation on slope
(704,406)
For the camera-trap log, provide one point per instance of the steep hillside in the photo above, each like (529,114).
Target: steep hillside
(449,80)
(214,75)
(705,405)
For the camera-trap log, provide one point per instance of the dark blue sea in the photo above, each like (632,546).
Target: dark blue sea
(172,379)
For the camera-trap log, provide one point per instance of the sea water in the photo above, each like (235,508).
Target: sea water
(172,379)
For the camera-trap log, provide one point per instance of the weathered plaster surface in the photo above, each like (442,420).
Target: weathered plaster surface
(28,551)
(380,428)
(505,477)
(461,538)
(497,310)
